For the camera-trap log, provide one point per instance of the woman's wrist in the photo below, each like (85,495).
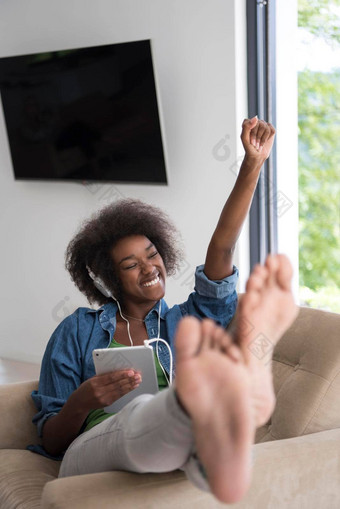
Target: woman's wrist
(251,163)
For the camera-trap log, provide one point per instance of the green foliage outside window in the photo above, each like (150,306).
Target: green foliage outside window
(319,165)
(320,18)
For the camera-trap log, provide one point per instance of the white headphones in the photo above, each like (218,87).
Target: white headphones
(99,284)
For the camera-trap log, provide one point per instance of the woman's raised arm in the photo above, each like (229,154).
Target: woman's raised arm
(257,137)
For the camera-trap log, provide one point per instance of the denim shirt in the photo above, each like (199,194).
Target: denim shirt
(67,361)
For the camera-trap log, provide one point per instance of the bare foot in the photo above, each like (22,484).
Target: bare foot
(227,389)
(265,312)
(215,390)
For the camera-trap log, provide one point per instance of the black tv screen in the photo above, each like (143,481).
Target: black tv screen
(86,114)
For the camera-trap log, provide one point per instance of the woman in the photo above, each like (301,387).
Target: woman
(120,259)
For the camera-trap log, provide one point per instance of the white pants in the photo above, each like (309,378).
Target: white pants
(150,434)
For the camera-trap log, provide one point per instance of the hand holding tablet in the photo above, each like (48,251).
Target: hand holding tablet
(140,358)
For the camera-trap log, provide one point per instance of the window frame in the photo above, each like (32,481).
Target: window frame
(261,68)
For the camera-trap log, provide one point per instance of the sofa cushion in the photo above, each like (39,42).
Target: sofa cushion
(17,410)
(125,490)
(23,476)
(306,371)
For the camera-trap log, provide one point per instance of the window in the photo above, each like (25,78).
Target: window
(319,152)
(295,47)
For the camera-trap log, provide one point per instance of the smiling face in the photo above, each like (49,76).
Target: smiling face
(140,269)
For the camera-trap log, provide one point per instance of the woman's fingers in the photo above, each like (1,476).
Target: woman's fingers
(257,137)
(123,387)
(125,382)
(260,134)
(117,376)
(102,390)
(267,135)
(122,384)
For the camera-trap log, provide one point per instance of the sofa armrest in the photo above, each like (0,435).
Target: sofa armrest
(16,411)
(284,476)
(306,369)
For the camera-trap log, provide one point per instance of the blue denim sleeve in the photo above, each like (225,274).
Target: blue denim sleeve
(212,299)
(60,373)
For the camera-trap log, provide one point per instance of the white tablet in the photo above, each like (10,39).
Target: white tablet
(140,358)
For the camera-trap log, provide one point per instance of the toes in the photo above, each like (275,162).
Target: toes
(285,272)
(280,270)
(257,278)
(194,337)
(234,353)
(252,297)
(218,336)
(272,265)
(188,338)
(222,340)
(208,333)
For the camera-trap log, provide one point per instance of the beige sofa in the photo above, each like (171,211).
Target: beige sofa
(297,457)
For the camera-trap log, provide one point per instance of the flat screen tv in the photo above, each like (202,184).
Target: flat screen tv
(87,114)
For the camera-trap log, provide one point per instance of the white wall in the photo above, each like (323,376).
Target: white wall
(199,57)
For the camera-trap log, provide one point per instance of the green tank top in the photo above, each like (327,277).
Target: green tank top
(99,415)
